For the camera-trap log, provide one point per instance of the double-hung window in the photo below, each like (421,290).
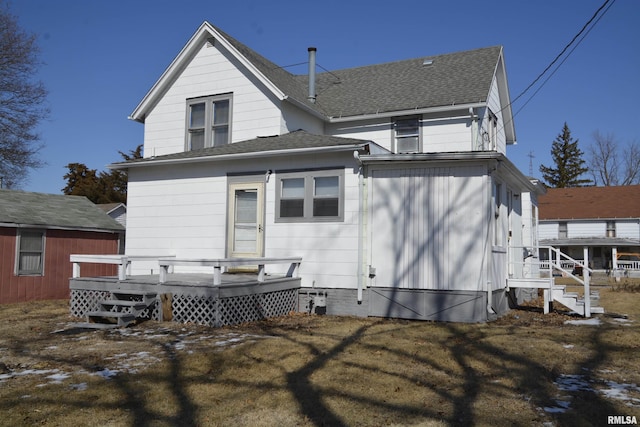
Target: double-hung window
(563,231)
(611,229)
(30,253)
(407,135)
(208,121)
(310,196)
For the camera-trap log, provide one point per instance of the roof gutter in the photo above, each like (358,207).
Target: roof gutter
(61,227)
(444,108)
(239,156)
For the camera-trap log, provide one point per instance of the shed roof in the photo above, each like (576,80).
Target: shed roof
(21,208)
(263,145)
(590,203)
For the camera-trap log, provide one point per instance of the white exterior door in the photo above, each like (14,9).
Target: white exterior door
(246,220)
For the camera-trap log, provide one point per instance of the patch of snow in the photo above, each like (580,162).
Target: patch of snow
(51,347)
(79,387)
(58,378)
(562,406)
(622,320)
(106,373)
(568,346)
(621,392)
(573,383)
(594,321)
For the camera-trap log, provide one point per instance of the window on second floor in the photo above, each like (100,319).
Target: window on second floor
(30,253)
(562,230)
(208,122)
(407,135)
(611,229)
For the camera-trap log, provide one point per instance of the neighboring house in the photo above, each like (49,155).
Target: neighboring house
(117,211)
(391,181)
(38,233)
(606,220)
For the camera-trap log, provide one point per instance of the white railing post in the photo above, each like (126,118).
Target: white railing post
(76,270)
(585,278)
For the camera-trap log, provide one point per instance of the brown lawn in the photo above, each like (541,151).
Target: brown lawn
(524,369)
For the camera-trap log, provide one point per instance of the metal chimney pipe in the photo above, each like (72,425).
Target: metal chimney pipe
(312,74)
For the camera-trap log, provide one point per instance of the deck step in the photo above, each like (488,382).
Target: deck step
(121,318)
(134,305)
(89,325)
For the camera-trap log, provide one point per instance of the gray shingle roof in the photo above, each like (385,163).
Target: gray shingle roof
(451,79)
(295,140)
(53,210)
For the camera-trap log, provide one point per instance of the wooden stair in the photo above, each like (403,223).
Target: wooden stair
(119,311)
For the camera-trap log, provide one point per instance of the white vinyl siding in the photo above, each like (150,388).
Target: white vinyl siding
(255,111)
(429,227)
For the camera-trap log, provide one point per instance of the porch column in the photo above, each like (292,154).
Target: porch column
(586,278)
(614,258)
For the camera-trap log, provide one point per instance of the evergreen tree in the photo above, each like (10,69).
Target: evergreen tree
(99,187)
(570,165)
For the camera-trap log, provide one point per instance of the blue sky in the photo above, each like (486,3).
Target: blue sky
(101,57)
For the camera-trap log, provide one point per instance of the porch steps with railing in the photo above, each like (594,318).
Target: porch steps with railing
(119,311)
(558,293)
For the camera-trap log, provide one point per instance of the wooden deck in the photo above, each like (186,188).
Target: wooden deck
(193,297)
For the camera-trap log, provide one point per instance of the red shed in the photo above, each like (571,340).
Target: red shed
(38,233)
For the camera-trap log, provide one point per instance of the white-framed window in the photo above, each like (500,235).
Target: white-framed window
(611,229)
(208,121)
(30,252)
(407,135)
(563,230)
(310,196)
(492,131)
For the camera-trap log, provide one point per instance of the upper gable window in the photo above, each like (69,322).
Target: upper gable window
(407,134)
(208,122)
(30,253)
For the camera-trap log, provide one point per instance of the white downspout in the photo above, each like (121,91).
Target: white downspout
(361,214)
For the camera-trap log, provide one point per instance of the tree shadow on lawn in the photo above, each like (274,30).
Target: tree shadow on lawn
(397,371)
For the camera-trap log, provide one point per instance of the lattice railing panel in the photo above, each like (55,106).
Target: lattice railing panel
(194,309)
(83,300)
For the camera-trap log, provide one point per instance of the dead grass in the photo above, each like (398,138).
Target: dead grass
(320,370)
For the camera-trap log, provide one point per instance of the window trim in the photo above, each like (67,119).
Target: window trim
(209,102)
(309,195)
(19,251)
(394,127)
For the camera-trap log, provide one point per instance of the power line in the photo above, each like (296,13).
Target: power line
(584,28)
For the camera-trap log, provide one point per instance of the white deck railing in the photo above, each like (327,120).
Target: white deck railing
(219,263)
(167,263)
(122,261)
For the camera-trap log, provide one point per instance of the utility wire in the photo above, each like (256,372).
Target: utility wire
(584,28)
(561,62)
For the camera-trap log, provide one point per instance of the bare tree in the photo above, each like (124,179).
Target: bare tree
(21,101)
(612,164)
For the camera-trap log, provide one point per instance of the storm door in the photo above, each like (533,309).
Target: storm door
(246,220)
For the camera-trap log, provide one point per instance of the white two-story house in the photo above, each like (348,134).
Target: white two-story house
(605,220)
(391,181)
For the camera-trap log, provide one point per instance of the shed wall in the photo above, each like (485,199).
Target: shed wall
(59,245)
